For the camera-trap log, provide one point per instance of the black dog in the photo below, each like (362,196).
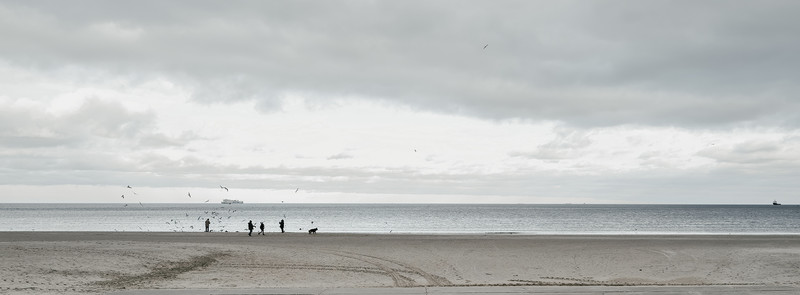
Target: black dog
(312,231)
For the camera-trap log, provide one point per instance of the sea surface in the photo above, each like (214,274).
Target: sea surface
(408,218)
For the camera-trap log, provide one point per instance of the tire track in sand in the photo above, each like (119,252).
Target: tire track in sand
(402,275)
(395,269)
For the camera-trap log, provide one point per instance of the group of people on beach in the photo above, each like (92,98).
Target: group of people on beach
(250,227)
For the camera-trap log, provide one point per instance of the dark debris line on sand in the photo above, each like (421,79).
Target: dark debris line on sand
(170,270)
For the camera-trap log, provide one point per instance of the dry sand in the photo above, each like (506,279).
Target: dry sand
(86,263)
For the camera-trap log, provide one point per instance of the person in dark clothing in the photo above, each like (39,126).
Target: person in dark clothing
(262,229)
(208,224)
(281,225)
(250,227)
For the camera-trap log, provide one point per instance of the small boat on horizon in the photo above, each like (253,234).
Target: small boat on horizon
(775,202)
(229,201)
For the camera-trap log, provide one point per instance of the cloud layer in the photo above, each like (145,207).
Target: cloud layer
(600,63)
(608,101)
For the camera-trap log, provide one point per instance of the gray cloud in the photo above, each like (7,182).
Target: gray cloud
(94,119)
(568,143)
(757,156)
(600,63)
(91,144)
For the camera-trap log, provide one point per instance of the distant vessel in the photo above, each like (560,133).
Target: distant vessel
(775,202)
(229,201)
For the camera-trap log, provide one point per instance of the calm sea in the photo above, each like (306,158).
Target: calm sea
(409,218)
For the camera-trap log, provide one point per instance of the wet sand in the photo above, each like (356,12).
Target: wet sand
(86,262)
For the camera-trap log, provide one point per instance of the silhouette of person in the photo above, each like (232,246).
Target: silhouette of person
(262,229)
(281,225)
(208,224)
(250,227)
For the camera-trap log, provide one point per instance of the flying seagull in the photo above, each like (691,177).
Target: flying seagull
(123,196)
(129,186)
(297,190)
(222,187)
(484,47)
(190,194)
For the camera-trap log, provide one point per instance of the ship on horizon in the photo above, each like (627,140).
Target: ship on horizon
(230,201)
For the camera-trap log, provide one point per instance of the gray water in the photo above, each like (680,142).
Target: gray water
(408,218)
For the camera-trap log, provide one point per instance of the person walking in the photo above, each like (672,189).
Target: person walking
(281,225)
(208,225)
(262,229)
(250,227)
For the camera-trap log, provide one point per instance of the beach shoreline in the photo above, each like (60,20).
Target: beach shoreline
(101,262)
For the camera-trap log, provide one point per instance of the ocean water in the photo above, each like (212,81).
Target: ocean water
(408,218)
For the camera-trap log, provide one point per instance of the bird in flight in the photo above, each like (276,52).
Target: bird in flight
(190,194)
(484,47)
(129,186)
(123,196)
(297,190)
(222,187)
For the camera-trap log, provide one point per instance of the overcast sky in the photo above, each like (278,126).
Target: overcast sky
(400,101)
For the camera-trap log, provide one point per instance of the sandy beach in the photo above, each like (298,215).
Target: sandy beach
(96,263)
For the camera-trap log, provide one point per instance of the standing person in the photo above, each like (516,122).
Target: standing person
(250,227)
(262,229)
(281,225)
(208,225)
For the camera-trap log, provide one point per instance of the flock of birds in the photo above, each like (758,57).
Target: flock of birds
(178,225)
(219,218)
(189,194)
